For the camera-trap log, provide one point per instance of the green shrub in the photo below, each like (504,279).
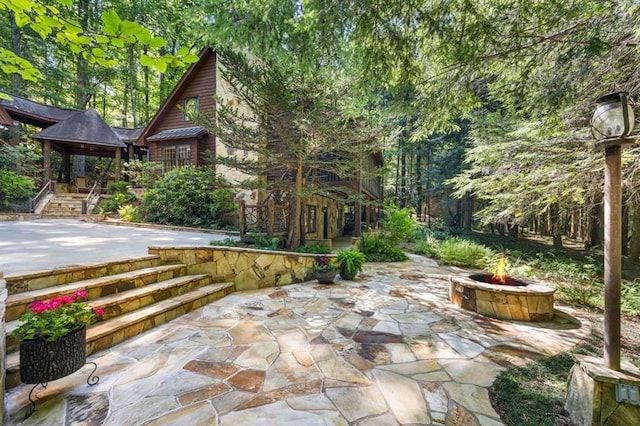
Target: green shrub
(397,225)
(115,203)
(190,196)
(376,249)
(351,260)
(315,248)
(265,243)
(630,297)
(419,233)
(427,247)
(227,242)
(142,174)
(118,187)
(460,252)
(14,187)
(129,213)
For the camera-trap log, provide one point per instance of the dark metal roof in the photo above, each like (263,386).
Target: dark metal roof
(86,127)
(128,135)
(34,112)
(182,133)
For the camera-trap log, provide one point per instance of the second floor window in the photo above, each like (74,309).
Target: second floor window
(175,156)
(189,108)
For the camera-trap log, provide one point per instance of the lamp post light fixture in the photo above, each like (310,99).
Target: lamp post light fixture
(611,126)
(607,391)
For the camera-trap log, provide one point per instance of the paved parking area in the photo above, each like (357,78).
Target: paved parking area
(28,246)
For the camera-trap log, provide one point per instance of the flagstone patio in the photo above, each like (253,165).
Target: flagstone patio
(385,349)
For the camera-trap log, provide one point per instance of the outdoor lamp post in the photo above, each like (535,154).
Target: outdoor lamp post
(611,125)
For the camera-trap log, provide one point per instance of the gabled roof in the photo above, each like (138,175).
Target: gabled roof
(181,133)
(204,55)
(86,127)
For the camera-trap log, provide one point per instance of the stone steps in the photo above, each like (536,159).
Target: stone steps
(64,205)
(68,274)
(128,301)
(136,295)
(105,334)
(17,304)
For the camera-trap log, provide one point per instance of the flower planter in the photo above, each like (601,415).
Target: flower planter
(42,362)
(326,277)
(347,275)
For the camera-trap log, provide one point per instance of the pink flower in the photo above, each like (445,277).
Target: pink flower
(80,294)
(54,303)
(38,306)
(99,312)
(62,300)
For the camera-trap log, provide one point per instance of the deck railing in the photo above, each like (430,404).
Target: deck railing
(90,202)
(48,188)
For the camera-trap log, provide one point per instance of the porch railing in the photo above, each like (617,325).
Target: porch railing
(48,188)
(91,201)
(268,218)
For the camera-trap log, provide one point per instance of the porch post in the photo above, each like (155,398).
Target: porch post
(46,156)
(118,161)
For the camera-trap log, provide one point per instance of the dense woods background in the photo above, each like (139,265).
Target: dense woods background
(482,108)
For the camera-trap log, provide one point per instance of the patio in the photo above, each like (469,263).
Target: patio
(387,348)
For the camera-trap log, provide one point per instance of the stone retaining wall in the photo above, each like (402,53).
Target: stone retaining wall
(249,269)
(8,217)
(3,298)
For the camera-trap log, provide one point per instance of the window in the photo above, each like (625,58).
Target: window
(189,108)
(312,221)
(175,156)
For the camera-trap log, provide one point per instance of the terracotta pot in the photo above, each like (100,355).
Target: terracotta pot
(42,362)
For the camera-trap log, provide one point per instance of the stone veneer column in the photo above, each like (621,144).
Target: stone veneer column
(3,298)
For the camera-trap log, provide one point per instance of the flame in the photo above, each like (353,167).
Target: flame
(500,271)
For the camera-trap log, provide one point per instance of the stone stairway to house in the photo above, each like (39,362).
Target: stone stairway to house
(64,206)
(136,295)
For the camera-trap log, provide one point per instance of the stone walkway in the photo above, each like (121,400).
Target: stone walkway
(385,349)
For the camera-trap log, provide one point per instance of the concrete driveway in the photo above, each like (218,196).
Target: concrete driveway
(35,245)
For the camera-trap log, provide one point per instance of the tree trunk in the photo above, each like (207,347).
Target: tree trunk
(296,211)
(634,244)
(133,86)
(595,226)
(556,225)
(467,217)
(403,179)
(16,47)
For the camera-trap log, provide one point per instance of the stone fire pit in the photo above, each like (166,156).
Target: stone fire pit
(518,299)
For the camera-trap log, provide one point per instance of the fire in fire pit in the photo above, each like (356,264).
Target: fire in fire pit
(498,295)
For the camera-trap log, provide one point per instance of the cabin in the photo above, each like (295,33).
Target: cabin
(173,140)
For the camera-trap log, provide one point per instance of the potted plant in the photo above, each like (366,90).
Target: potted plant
(351,262)
(52,337)
(325,269)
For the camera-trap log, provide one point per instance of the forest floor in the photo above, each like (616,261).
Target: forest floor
(545,380)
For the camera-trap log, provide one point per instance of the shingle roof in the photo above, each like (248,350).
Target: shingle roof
(182,133)
(24,106)
(128,135)
(85,127)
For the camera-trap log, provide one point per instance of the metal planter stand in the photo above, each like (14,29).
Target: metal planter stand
(42,362)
